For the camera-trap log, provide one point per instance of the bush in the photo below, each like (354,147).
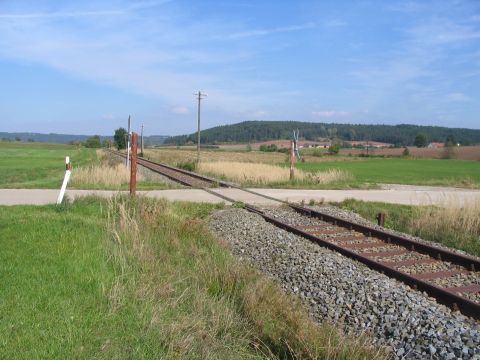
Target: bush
(189,166)
(334,149)
(268,148)
(93,142)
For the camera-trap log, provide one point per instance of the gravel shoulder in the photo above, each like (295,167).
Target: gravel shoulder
(346,292)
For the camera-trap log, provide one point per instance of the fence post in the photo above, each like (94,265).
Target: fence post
(133,165)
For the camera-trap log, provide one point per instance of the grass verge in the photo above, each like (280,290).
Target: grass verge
(142,278)
(455,227)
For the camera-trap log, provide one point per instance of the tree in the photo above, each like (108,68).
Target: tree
(120,138)
(420,140)
(450,140)
(334,149)
(93,142)
(107,143)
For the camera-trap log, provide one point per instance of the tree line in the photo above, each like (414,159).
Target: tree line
(255,131)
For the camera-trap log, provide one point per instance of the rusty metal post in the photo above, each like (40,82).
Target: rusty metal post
(133,165)
(381,219)
(292,160)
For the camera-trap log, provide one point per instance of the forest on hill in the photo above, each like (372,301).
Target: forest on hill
(67,138)
(255,131)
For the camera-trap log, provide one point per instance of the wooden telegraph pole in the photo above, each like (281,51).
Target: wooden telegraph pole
(128,143)
(199,96)
(141,152)
(133,165)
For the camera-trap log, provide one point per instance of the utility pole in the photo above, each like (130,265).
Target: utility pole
(128,142)
(133,168)
(199,96)
(141,153)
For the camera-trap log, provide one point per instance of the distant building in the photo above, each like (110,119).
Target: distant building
(436,145)
(370,144)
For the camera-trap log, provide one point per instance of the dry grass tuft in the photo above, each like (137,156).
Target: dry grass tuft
(262,174)
(461,225)
(190,299)
(102,175)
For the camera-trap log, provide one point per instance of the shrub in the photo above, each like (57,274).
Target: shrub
(189,165)
(334,149)
(268,148)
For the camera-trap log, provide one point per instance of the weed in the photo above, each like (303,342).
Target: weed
(188,165)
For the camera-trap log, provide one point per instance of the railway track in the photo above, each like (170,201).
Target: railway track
(451,278)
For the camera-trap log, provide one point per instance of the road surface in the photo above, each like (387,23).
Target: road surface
(407,195)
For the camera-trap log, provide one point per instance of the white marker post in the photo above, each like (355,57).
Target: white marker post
(68,171)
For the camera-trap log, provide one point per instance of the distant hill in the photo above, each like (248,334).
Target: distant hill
(66,138)
(255,131)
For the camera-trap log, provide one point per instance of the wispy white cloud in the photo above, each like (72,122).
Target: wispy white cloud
(82,13)
(108,117)
(61,14)
(408,6)
(458,97)
(263,32)
(180,110)
(330,113)
(130,51)
(334,23)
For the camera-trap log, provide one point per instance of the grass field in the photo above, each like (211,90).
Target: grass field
(459,173)
(81,281)
(36,165)
(363,172)
(27,165)
(42,166)
(455,227)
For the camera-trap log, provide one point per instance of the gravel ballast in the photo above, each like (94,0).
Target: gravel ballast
(344,291)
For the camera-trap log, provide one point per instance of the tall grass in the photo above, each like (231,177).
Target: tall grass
(449,224)
(455,226)
(195,301)
(103,174)
(262,174)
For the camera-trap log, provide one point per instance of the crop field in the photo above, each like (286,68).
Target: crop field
(358,172)
(459,153)
(81,281)
(176,156)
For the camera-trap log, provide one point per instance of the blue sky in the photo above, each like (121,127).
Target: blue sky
(83,67)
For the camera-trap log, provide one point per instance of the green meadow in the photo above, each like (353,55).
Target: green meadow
(35,165)
(461,173)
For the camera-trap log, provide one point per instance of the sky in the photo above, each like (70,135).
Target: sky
(82,67)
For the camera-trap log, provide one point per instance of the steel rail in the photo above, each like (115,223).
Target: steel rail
(444,296)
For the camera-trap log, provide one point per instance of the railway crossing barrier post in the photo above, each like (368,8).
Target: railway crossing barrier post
(133,165)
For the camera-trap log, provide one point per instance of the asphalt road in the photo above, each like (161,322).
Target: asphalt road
(401,194)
